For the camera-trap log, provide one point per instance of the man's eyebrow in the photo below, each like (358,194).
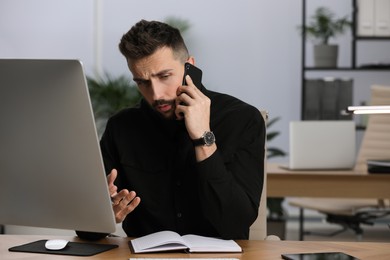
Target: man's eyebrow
(154,75)
(139,79)
(162,72)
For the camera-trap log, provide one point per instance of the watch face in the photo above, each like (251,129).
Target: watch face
(209,138)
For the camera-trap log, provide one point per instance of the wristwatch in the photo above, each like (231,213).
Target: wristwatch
(207,139)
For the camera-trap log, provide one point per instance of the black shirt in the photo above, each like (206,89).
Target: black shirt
(155,157)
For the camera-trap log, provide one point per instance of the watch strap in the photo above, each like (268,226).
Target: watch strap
(207,139)
(198,142)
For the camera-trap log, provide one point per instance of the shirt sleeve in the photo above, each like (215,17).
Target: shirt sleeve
(231,180)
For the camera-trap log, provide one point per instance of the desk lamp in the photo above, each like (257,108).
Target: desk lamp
(368,110)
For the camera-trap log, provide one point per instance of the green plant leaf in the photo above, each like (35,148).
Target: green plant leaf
(323,25)
(110,94)
(275,152)
(181,24)
(272,135)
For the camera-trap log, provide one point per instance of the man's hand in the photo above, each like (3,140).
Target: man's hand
(196,113)
(123,202)
(195,107)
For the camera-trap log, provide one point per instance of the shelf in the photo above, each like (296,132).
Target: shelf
(372,38)
(347,69)
(351,67)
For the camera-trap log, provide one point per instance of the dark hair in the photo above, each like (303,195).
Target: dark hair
(145,37)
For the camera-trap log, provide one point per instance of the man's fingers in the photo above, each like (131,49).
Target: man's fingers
(189,80)
(121,215)
(123,198)
(112,188)
(126,205)
(112,176)
(118,197)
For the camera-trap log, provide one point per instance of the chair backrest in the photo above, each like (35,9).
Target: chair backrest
(258,230)
(376,139)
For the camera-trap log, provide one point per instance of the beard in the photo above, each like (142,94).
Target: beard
(169,114)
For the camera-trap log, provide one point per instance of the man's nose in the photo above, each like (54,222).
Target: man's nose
(157,90)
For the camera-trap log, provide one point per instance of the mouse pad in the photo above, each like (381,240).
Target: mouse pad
(72,248)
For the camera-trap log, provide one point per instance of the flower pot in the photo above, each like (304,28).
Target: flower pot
(325,56)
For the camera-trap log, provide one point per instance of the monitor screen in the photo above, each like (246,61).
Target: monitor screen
(52,173)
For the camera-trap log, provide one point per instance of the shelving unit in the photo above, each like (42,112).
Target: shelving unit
(354,67)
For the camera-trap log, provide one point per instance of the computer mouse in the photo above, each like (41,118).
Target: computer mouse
(56,244)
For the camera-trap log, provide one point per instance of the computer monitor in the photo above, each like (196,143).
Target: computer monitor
(51,169)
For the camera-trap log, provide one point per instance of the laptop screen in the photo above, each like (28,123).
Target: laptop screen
(322,144)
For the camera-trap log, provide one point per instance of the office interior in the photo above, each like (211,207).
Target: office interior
(250,49)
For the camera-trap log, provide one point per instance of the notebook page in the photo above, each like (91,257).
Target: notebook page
(166,240)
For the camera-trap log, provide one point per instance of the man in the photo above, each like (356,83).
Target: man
(185,159)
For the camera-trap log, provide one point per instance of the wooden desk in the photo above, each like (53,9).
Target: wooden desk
(253,250)
(328,184)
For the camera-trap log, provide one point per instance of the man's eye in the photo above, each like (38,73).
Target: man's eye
(165,76)
(140,83)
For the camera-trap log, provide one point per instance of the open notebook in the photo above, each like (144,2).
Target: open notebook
(169,240)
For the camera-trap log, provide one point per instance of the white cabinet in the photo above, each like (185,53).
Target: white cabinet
(373,18)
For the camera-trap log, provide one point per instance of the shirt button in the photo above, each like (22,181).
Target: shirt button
(178,215)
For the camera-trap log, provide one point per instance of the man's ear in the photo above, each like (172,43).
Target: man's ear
(191,60)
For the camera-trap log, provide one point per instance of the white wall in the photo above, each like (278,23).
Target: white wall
(46,29)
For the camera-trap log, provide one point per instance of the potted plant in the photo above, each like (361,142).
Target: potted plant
(276,218)
(110,94)
(323,26)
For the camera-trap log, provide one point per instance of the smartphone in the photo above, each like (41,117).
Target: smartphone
(319,256)
(195,74)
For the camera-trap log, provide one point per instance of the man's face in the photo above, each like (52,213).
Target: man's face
(158,76)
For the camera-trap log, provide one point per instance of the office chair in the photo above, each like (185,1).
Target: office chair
(351,213)
(258,230)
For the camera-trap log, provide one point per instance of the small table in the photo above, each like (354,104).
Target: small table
(346,184)
(310,183)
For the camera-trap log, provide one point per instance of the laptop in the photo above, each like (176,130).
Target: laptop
(322,145)
(51,169)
